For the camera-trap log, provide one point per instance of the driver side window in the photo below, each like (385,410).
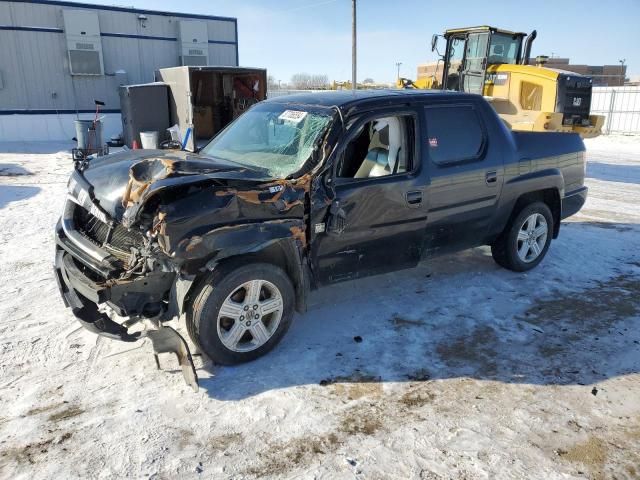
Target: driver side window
(379,148)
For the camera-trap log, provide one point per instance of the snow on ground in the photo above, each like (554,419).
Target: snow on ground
(465,370)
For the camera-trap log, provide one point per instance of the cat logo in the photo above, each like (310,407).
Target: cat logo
(577,101)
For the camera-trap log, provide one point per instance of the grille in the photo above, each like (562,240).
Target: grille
(96,231)
(85,62)
(194,60)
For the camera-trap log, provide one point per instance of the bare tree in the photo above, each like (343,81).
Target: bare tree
(368,80)
(300,81)
(305,81)
(272,83)
(319,81)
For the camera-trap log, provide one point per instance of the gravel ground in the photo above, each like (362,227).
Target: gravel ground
(464,370)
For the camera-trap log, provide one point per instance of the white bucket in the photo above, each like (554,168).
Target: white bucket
(149,140)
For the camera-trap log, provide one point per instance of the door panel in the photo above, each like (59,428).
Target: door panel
(384,216)
(455,55)
(475,63)
(384,229)
(464,191)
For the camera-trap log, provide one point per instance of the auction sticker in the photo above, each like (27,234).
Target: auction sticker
(293,116)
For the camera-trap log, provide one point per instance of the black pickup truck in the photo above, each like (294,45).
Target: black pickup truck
(299,192)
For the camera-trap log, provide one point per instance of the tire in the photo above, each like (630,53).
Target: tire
(518,237)
(223,320)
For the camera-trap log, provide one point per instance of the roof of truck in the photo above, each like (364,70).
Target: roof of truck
(342,98)
(481,28)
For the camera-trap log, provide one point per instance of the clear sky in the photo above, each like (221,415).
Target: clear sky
(314,36)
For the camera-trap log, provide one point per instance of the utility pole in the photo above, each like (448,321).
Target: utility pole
(622,71)
(398,67)
(353,46)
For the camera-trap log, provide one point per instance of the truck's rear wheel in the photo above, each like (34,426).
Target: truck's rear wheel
(526,239)
(239,315)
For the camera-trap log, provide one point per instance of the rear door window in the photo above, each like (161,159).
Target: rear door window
(455,134)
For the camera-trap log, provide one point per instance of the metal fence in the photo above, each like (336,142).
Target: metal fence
(620,106)
(277,92)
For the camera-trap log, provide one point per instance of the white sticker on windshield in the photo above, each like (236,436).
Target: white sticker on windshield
(293,116)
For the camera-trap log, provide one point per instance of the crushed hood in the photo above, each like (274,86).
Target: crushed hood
(122,181)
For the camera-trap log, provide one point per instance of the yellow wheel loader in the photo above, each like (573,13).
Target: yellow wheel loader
(494,63)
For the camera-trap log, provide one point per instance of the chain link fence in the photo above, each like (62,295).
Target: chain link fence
(620,106)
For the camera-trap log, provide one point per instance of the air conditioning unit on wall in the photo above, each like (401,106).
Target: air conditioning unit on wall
(84,44)
(193,38)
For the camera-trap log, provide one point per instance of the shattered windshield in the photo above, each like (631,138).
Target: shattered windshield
(275,137)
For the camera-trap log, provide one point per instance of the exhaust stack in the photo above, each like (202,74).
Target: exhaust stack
(527,47)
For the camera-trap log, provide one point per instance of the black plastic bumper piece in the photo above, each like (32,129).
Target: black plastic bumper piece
(82,294)
(167,340)
(77,294)
(573,202)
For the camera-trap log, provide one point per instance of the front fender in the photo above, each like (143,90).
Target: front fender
(228,241)
(256,241)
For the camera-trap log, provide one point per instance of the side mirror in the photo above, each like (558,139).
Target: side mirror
(434,42)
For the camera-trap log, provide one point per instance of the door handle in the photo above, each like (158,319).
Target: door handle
(491,177)
(413,198)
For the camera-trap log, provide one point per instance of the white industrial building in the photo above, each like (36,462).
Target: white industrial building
(57,57)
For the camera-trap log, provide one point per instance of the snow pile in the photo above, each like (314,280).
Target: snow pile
(461,369)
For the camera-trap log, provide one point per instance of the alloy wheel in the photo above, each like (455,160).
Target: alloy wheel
(250,316)
(532,237)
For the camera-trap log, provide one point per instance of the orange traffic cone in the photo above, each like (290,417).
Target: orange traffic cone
(136,146)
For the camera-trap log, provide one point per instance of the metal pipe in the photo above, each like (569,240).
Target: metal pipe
(353,45)
(527,47)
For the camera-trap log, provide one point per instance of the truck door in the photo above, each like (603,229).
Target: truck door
(377,220)
(466,173)
(475,63)
(453,64)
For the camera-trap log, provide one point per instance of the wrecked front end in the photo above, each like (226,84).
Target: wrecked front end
(136,233)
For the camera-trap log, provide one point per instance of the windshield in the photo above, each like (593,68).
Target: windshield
(504,48)
(271,136)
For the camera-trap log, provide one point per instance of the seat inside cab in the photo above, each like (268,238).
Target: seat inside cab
(378,149)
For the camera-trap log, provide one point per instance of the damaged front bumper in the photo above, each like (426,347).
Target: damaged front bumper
(82,289)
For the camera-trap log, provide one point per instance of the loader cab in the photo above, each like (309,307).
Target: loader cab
(470,51)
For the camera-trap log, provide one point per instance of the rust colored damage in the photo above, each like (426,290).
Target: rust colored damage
(145,173)
(177,220)
(299,234)
(286,193)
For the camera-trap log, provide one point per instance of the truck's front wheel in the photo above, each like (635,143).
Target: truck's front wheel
(240,314)
(525,241)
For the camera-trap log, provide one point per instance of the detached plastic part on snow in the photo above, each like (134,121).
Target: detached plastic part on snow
(167,340)
(164,339)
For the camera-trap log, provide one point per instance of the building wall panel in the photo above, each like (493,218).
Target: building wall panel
(35,66)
